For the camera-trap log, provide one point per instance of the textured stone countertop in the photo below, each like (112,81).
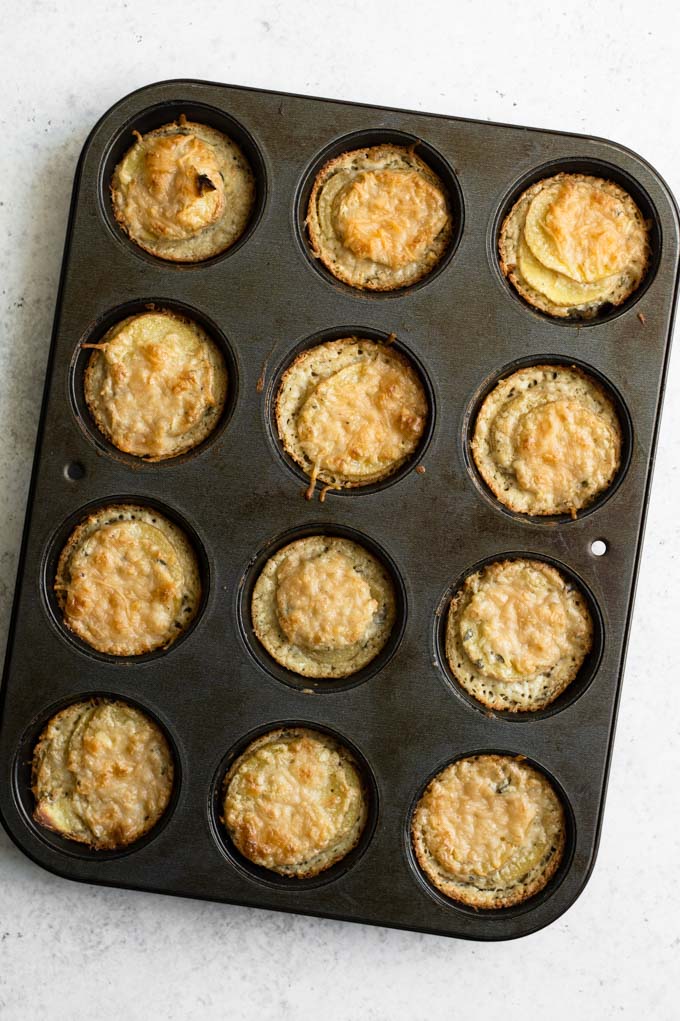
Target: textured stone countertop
(72,951)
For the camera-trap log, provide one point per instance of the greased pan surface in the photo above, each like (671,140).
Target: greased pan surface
(238,498)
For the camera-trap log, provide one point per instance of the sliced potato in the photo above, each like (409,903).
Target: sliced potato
(560,289)
(537,238)
(583,230)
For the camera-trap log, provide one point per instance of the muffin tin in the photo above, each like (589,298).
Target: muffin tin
(239,498)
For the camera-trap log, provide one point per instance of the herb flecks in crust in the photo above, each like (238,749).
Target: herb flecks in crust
(128,581)
(351,412)
(102,774)
(547,440)
(156,385)
(183,192)
(379,218)
(323,607)
(517,634)
(489,831)
(294,802)
(573,245)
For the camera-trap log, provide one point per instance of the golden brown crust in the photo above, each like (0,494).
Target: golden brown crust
(183,192)
(489,831)
(127,581)
(323,607)
(351,411)
(517,634)
(547,440)
(295,802)
(156,385)
(102,774)
(378,218)
(575,288)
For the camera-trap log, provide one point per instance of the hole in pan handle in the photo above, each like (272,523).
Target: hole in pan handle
(74,471)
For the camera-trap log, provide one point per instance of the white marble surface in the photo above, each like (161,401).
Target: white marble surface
(70,951)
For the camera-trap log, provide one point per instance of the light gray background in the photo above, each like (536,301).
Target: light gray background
(611,69)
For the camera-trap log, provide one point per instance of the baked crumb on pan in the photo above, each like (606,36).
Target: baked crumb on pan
(295,802)
(323,607)
(547,440)
(517,634)
(351,411)
(156,385)
(102,774)
(574,244)
(183,192)
(378,218)
(489,831)
(127,581)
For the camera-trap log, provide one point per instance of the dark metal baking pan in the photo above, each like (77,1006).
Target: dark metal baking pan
(238,497)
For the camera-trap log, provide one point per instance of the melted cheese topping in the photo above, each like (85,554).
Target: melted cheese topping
(291,799)
(126,582)
(174,189)
(103,774)
(158,383)
(389,216)
(476,820)
(363,418)
(573,244)
(547,440)
(583,231)
(123,773)
(562,449)
(517,625)
(323,603)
